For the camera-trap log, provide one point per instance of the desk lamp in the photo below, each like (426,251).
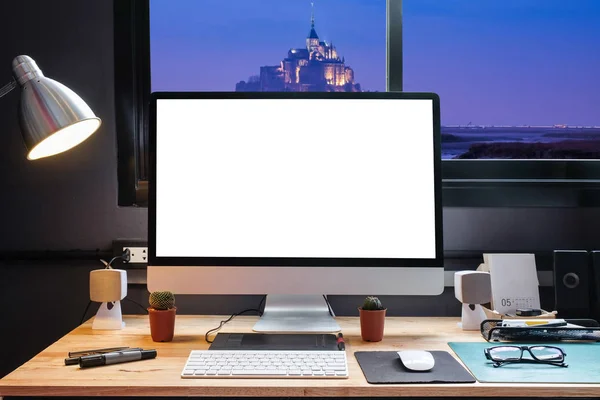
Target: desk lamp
(52,117)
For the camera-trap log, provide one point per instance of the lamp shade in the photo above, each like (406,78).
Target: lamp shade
(52,117)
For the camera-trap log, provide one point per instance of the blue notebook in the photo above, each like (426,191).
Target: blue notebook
(582,359)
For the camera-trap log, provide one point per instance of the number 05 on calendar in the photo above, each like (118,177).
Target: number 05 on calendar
(514,281)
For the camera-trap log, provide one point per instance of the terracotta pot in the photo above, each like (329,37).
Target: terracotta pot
(162,324)
(371,324)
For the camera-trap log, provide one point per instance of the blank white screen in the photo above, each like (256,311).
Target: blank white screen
(334,178)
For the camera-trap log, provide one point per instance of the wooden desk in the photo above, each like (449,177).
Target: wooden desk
(46,374)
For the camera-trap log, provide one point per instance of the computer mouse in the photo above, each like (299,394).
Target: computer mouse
(417,360)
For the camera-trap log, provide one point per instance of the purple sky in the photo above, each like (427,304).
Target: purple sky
(493,62)
(510,62)
(210,45)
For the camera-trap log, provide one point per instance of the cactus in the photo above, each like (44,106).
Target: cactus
(372,303)
(162,300)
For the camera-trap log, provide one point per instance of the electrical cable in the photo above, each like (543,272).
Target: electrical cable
(126,256)
(257,310)
(113,259)
(135,302)
(229,319)
(85,312)
(328,306)
(261,302)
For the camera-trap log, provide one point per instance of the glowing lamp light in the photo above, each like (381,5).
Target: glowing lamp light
(64,139)
(52,117)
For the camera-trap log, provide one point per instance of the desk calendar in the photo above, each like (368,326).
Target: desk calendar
(514,281)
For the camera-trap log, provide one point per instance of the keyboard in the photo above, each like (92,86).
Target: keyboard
(266,364)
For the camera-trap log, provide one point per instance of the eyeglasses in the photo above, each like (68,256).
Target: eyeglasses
(514,354)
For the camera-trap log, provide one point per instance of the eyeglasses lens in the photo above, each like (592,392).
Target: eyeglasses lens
(505,353)
(547,353)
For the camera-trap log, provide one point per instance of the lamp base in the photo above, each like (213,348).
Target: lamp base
(109,318)
(472,317)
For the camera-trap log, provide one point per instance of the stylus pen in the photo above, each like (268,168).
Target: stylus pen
(115,358)
(340,342)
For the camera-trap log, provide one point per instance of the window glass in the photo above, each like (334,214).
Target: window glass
(518,79)
(268,45)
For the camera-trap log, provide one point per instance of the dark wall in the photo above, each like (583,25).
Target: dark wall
(70,201)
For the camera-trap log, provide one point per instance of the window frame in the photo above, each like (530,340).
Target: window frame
(466,183)
(132,99)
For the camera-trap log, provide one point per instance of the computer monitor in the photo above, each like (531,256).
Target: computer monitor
(295,195)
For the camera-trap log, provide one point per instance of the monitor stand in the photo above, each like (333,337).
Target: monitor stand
(296,314)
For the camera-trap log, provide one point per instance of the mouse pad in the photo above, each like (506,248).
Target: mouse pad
(385,367)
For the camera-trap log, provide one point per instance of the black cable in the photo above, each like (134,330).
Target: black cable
(261,302)
(113,259)
(135,302)
(227,320)
(328,305)
(126,256)
(85,312)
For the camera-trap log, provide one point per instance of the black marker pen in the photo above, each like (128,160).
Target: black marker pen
(75,360)
(115,358)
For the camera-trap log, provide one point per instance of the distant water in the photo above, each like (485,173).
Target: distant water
(458,140)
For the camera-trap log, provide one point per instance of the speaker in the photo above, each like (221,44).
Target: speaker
(108,286)
(472,288)
(572,283)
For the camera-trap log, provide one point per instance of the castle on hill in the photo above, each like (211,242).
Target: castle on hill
(316,68)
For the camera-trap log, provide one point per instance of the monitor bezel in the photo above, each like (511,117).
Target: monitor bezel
(155,260)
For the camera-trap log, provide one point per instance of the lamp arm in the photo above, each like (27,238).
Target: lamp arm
(4,90)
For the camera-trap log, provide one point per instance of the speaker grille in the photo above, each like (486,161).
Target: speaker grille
(572,283)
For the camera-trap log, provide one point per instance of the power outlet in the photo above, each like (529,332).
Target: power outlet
(138,250)
(139,255)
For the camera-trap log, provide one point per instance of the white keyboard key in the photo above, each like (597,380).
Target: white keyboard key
(260,373)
